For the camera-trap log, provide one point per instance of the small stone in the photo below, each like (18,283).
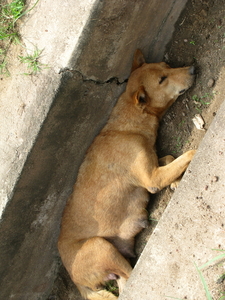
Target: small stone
(204,13)
(185,40)
(199,122)
(211,82)
(215,178)
(166,57)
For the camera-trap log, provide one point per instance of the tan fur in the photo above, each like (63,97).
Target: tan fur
(107,207)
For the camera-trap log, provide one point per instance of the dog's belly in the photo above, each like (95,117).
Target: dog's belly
(125,247)
(133,219)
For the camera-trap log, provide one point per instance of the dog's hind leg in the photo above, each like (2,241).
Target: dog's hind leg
(96,262)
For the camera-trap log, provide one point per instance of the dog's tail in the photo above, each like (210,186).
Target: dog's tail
(95,295)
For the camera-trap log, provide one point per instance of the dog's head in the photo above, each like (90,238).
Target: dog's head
(154,87)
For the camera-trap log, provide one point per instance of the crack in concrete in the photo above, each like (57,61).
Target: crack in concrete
(85,79)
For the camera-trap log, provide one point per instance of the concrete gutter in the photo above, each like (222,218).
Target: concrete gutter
(190,228)
(49,120)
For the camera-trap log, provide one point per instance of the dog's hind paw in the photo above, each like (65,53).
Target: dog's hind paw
(174,185)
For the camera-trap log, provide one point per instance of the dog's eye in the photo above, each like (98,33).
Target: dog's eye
(162,79)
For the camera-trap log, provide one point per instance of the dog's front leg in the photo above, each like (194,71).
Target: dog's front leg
(165,175)
(163,161)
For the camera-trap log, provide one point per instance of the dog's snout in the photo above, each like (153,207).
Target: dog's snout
(192,70)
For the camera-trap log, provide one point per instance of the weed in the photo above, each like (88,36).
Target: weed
(10,13)
(221,278)
(178,144)
(3,68)
(192,42)
(112,287)
(220,258)
(3,62)
(208,295)
(202,100)
(152,219)
(33,63)
(181,124)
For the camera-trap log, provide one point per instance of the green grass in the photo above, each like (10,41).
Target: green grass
(112,287)
(3,63)
(202,100)
(217,259)
(152,219)
(207,292)
(10,13)
(32,61)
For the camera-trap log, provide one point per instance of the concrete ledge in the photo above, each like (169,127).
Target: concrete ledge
(190,228)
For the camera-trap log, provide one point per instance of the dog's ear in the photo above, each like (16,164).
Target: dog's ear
(141,97)
(138,60)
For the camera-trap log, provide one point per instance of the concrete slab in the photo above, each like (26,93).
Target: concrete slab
(180,242)
(26,100)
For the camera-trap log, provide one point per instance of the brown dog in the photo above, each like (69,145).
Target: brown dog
(107,207)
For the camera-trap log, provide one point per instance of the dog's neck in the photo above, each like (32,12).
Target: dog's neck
(127,117)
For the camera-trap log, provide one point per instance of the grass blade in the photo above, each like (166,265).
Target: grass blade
(208,295)
(221,256)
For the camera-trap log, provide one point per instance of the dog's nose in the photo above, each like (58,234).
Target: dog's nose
(192,70)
